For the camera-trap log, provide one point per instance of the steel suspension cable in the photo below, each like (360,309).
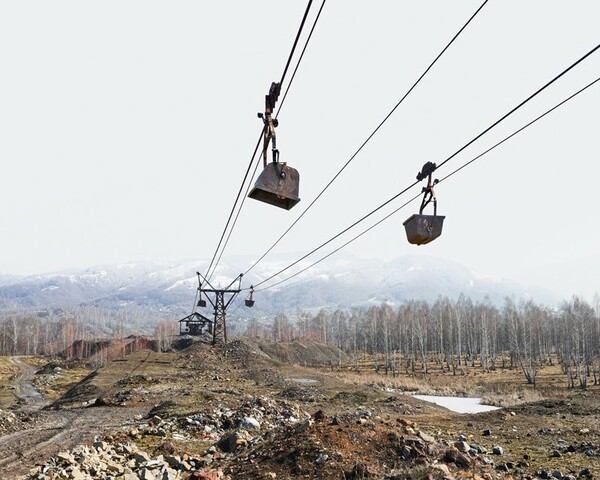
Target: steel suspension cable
(300,59)
(372,212)
(541,89)
(570,97)
(385,119)
(539,117)
(316,249)
(234,204)
(276,115)
(339,248)
(287,65)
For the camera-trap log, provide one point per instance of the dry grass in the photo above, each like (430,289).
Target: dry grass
(36,361)
(8,371)
(501,387)
(507,400)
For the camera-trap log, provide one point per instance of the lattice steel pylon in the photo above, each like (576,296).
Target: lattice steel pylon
(220,299)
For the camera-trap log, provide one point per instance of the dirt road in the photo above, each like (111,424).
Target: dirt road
(24,384)
(51,431)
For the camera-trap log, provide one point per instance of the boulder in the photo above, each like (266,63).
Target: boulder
(462,446)
(249,423)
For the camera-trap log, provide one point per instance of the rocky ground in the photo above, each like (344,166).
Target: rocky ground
(242,412)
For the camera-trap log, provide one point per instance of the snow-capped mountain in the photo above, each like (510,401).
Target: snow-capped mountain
(343,281)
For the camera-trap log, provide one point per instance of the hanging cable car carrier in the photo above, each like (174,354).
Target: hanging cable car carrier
(422,229)
(278,184)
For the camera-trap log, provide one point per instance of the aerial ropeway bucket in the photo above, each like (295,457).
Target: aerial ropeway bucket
(277,185)
(422,229)
(249,302)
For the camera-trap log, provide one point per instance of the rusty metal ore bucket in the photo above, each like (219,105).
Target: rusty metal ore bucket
(422,229)
(278,185)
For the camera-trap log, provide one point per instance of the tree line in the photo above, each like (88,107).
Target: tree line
(448,334)
(453,334)
(83,332)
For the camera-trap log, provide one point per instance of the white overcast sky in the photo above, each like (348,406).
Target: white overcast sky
(126,127)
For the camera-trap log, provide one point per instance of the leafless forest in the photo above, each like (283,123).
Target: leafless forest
(453,334)
(447,334)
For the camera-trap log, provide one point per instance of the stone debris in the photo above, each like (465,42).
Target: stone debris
(497,450)
(258,415)
(258,436)
(249,423)
(227,430)
(462,446)
(118,460)
(9,422)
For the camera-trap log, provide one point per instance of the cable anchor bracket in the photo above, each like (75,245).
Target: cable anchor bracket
(429,194)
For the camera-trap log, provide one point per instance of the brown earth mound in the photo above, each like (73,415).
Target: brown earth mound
(306,353)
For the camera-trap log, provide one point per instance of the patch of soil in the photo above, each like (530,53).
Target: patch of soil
(82,391)
(302,394)
(351,397)
(350,448)
(573,406)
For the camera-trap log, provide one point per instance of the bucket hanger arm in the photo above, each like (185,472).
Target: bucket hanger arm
(269,136)
(429,194)
(427,199)
(270,123)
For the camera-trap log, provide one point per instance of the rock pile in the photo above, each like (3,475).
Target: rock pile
(14,421)
(120,460)
(322,446)
(228,431)
(251,420)
(8,421)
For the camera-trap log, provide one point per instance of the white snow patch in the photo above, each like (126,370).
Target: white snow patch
(414,269)
(86,276)
(186,282)
(458,404)
(126,265)
(482,276)
(345,274)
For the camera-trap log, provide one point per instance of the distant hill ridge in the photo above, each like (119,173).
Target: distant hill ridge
(343,281)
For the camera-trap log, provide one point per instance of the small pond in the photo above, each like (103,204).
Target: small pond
(458,404)
(303,381)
